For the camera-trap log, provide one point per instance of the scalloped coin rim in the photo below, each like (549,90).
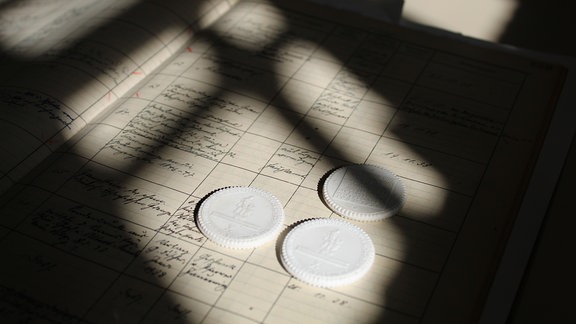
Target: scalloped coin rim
(266,235)
(348,211)
(307,228)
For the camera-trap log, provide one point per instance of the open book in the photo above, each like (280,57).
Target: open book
(119,117)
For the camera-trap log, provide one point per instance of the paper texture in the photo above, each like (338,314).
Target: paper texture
(130,138)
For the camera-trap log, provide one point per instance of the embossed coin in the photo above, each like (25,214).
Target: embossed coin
(363,192)
(240,217)
(327,252)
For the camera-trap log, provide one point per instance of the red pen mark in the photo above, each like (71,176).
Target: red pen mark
(48,140)
(137,72)
(137,94)
(52,141)
(189,49)
(109,96)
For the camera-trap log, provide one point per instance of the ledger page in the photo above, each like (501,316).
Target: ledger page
(63,63)
(276,98)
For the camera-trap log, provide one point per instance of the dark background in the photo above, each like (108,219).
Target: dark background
(547,293)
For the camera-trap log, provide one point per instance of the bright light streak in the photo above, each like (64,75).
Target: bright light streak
(30,28)
(479,19)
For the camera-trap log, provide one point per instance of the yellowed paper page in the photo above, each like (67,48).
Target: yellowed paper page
(275,99)
(65,62)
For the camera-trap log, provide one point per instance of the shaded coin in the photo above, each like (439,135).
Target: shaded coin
(363,192)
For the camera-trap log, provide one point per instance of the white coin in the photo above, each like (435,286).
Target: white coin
(327,252)
(363,192)
(240,217)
